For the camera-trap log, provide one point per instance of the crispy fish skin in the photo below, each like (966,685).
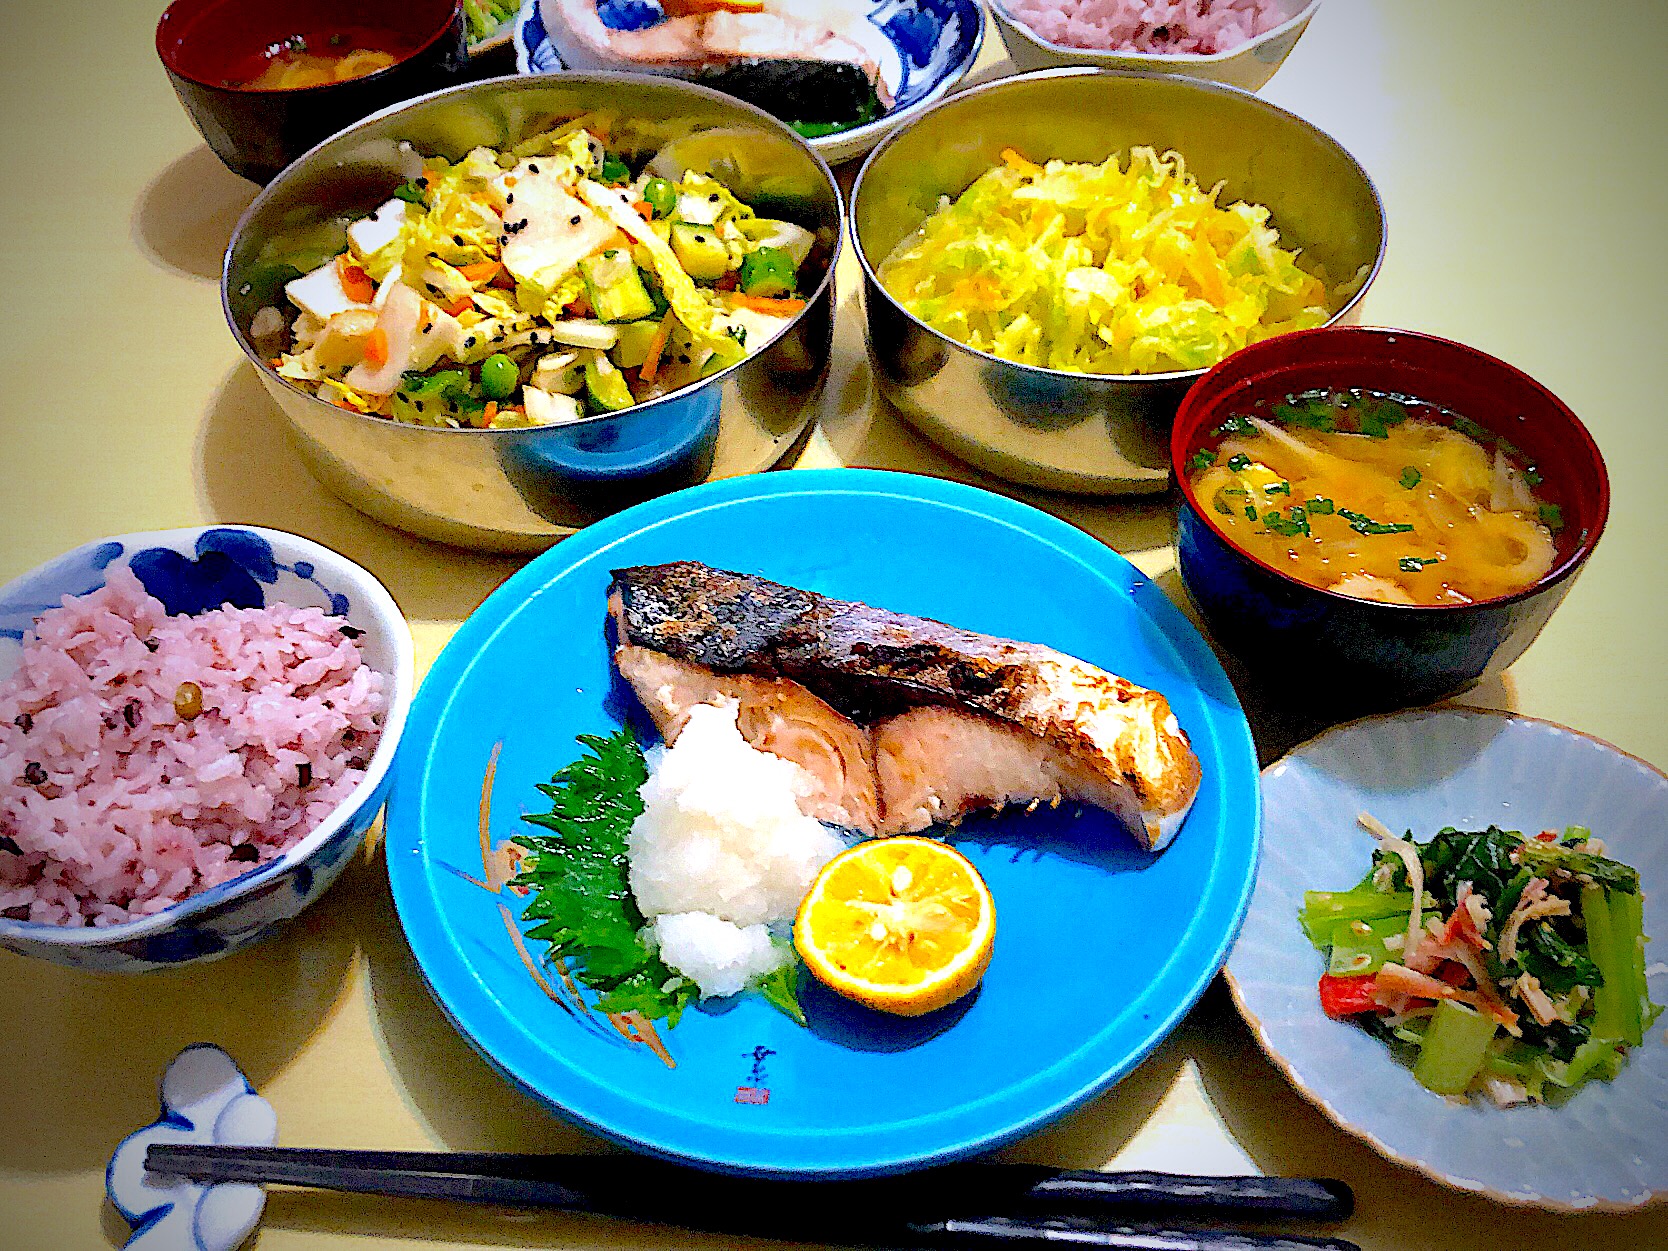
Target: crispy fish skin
(872,664)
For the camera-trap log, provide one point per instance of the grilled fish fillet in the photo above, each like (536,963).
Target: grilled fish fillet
(954,721)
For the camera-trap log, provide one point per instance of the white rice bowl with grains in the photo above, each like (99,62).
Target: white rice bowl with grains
(721,855)
(144,757)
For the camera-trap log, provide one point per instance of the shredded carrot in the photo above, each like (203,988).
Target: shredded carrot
(489,413)
(644,209)
(376,347)
(480,271)
(657,345)
(1015,160)
(775,308)
(461,305)
(356,283)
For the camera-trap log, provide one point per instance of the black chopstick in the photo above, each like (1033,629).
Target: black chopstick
(1053,1233)
(1006,1205)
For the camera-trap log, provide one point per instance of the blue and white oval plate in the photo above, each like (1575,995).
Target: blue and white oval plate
(1100,949)
(1605,1149)
(926,47)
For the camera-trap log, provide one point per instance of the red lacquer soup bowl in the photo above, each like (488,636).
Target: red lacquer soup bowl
(213,49)
(1344,654)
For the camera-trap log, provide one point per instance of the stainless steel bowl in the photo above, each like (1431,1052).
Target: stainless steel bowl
(1094,434)
(520,490)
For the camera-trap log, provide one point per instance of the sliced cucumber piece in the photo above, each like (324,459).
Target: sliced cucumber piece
(606,386)
(615,287)
(700,251)
(633,347)
(768,272)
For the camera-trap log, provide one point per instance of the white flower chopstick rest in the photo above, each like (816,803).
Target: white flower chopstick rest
(205,1099)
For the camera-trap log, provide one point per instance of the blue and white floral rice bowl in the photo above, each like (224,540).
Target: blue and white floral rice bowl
(190,571)
(927,47)
(1606,1147)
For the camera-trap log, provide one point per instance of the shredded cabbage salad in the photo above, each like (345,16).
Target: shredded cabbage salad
(538,285)
(1102,269)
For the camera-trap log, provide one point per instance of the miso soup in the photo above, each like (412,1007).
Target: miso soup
(317,58)
(1378,497)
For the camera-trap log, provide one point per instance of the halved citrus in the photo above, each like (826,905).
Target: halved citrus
(904,925)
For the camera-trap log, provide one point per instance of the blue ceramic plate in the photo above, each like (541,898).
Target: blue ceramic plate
(1607,1148)
(932,46)
(1100,947)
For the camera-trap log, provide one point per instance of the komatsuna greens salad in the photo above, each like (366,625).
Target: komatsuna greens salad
(538,285)
(1498,964)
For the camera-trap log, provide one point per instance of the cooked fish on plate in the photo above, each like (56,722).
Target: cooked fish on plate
(1095,946)
(816,63)
(903,722)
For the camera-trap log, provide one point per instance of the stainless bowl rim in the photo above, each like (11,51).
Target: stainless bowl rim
(525,82)
(1184,83)
(999,10)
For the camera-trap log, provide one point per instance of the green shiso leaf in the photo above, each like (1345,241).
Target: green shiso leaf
(780,987)
(576,871)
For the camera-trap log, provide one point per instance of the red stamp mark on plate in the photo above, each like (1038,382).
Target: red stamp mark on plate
(753,1094)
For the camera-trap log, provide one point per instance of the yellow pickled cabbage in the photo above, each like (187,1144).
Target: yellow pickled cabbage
(1102,269)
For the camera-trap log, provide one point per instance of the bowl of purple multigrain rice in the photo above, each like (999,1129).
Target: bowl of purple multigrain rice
(1238,42)
(196,728)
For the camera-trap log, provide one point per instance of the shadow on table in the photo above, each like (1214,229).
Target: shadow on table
(1395,1207)
(184,217)
(1280,723)
(457,1096)
(93,1045)
(430,1222)
(248,472)
(1101,1128)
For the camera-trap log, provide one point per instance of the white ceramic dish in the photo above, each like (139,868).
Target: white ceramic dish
(1606,1149)
(195,566)
(1247,66)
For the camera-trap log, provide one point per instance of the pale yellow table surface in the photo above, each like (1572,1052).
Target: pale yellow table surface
(1518,145)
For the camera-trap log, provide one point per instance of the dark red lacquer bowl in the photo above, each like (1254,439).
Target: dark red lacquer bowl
(206,46)
(1345,655)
